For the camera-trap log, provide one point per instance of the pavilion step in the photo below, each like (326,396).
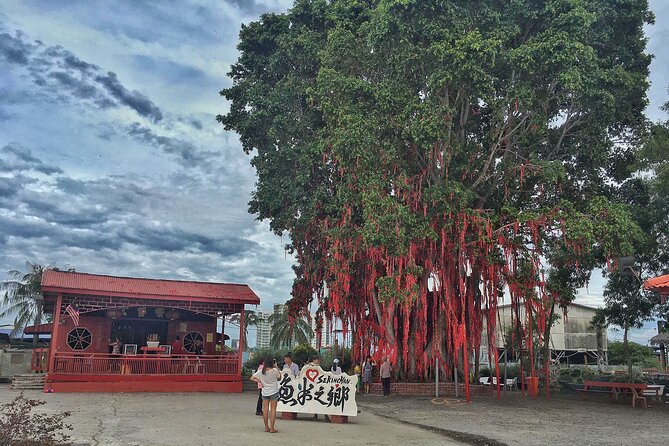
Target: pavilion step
(249,386)
(28,382)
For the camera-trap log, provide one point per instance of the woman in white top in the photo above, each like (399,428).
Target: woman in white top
(269,377)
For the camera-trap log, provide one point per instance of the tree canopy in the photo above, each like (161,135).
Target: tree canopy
(429,156)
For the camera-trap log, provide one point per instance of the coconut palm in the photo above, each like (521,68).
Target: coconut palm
(250,318)
(23,298)
(287,330)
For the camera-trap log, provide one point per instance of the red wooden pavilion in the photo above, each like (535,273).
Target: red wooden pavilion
(658,284)
(81,359)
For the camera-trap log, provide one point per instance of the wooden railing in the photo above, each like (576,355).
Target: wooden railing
(39,362)
(107,364)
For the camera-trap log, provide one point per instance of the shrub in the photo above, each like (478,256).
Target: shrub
(20,427)
(302,354)
(260,355)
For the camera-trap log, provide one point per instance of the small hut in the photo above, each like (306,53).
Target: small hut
(661,340)
(660,285)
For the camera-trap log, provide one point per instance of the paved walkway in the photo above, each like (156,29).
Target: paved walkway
(203,419)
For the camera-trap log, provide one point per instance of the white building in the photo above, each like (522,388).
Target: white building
(326,333)
(263,329)
(572,339)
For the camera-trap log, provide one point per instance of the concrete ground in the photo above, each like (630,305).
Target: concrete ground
(203,419)
(518,420)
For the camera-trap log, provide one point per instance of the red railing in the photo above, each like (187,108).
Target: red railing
(106,364)
(39,362)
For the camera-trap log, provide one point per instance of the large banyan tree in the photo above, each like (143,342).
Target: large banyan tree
(430,157)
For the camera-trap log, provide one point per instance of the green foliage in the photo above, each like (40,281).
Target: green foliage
(259,356)
(344,356)
(626,304)
(577,375)
(640,355)
(303,353)
(250,319)
(287,330)
(376,127)
(23,297)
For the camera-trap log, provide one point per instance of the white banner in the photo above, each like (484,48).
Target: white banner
(317,391)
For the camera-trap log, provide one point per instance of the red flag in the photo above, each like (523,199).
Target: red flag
(74,313)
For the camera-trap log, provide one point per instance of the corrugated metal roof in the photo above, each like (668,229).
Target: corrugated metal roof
(93,284)
(659,284)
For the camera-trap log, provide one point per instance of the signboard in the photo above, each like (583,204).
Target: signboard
(317,391)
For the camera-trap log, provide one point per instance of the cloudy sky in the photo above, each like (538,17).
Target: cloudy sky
(111,160)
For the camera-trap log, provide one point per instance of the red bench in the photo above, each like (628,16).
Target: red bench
(614,390)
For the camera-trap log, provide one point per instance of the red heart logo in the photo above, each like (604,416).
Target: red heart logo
(337,386)
(312,374)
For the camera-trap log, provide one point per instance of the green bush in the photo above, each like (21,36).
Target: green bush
(578,376)
(260,354)
(640,355)
(302,354)
(344,356)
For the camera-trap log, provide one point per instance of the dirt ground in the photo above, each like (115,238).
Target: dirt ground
(207,419)
(518,420)
(200,419)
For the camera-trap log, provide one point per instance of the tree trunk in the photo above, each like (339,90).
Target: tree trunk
(626,355)
(38,320)
(600,348)
(546,353)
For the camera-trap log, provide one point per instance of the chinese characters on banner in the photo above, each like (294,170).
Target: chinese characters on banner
(317,391)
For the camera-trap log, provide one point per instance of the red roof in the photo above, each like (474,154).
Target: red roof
(99,285)
(38,329)
(659,284)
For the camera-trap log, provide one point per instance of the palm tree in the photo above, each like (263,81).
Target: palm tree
(23,298)
(250,318)
(287,330)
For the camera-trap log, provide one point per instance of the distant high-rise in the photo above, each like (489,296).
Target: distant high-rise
(263,329)
(326,333)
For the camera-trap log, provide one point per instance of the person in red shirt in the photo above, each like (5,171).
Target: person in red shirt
(177,348)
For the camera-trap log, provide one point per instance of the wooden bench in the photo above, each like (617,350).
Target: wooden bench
(615,389)
(596,387)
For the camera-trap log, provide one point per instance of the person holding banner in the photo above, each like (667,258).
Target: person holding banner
(335,367)
(269,377)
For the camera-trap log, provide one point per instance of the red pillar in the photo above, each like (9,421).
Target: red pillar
(54,340)
(241,341)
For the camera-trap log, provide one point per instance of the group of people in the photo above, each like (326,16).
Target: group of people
(366,371)
(268,375)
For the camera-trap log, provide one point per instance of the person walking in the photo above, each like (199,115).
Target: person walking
(367,374)
(269,377)
(385,376)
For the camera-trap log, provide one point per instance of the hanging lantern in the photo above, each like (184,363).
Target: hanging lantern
(160,312)
(141,311)
(173,315)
